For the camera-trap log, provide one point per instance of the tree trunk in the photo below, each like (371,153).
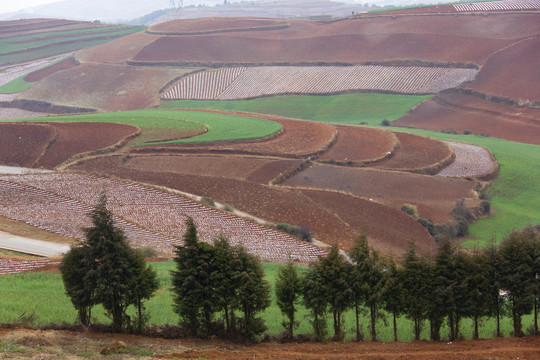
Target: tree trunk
(373,315)
(395,327)
(475,335)
(356,311)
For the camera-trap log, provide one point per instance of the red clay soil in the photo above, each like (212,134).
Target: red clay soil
(438,9)
(461,113)
(104,87)
(31,26)
(298,138)
(62,36)
(22,144)
(416,152)
(360,144)
(117,51)
(260,170)
(439,38)
(42,73)
(435,198)
(217,24)
(389,230)
(278,205)
(513,72)
(75,138)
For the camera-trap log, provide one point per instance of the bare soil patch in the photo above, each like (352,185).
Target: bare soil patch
(461,113)
(76,138)
(47,344)
(23,144)
(512,72)
(360,144)
(40,74)
(232,167)
(435,198)
(418,154)
(217,24)
(105,87)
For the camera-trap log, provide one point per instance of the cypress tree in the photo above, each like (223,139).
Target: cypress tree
(393,301)
(314,299)
(288,295)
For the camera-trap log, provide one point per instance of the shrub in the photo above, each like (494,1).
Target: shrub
(208,200)
(301,231)
(486,206)
(466,132)
(385,122)
(411,210)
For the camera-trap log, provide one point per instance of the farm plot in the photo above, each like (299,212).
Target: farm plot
(232,167)
(23,144)
(57,202)
(12,266)
(435,198)
(360,144)
(252,82)
(418,154)
(42,73)
(316,137)
(471,160)
(9,73)
(506,5)
(276,204)
(456,113)
(216,25)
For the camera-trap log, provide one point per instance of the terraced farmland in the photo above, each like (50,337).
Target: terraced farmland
(11,266)
(506,5)
(471,160)
(252,82)
(59,203)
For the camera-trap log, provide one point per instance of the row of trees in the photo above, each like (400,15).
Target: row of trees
(220,289)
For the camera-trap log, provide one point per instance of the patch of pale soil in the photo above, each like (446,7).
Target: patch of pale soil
(13,113)
(471,160)
(8,97)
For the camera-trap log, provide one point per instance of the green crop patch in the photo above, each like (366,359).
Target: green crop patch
(351,109)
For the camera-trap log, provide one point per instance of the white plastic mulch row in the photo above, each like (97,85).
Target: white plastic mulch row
(59,202)
(499,5)
(248,82)
(8,266)
(471,160)
(11,73)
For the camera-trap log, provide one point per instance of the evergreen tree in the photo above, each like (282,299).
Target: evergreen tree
(314,299)
(517,276)
(143,286)
(393,297)
(109,270)
(477,289)
(371,281)
(288,295)
(334,272)
(416,284)
(252,291)
(194,294)
(74,270)
(496,305)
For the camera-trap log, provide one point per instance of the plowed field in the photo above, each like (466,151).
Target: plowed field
(435,199)
(462,113)
(215,25)
(40,74)
(23,144)
(418,153)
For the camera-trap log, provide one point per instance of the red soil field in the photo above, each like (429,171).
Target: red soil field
(116,51)
(417,152)
(469,113)
(444,38)
(104,87)
(315,138)
(274,204)
(218,24)
(42,73)
(23,144)
(435,198)
(232,167)
(75,138)
(360,144)
(513,72)
(31,26)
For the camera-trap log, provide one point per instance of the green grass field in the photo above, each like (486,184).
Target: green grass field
(42,295)
(351,109)
(515,193)
(15,86)
(160,125)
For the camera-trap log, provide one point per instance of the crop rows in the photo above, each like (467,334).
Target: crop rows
(11,73)
(242,83)
(8,266)
(59,202)
(471,160)
(499,5)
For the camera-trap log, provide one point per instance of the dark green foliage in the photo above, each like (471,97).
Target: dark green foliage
(393,297)
(143,287)
(518,274)
(495,304)
(315,301)
(81,293)
(302,231)
(110,272)
(410,209)
(195,297)
(288,295)
(370,281)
